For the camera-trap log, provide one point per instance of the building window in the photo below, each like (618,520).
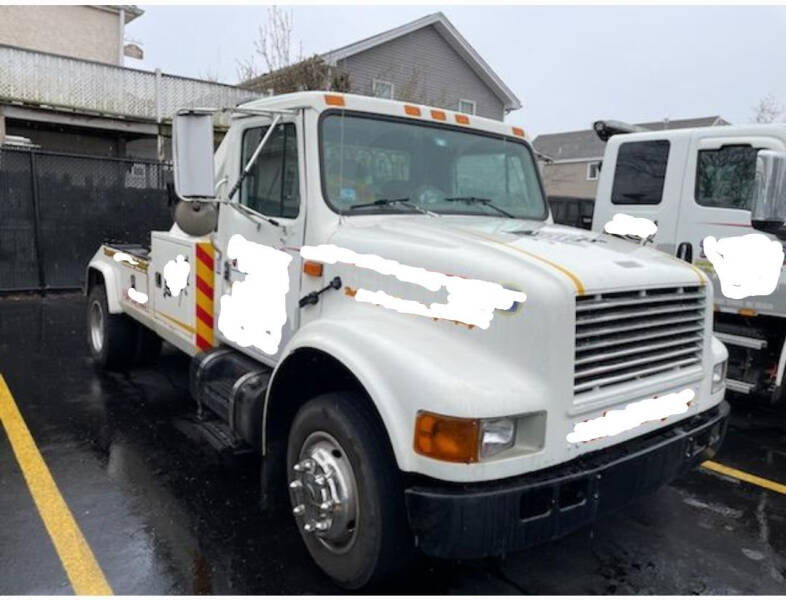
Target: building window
(383,89)
(466,106)
(640,172)
(593,169)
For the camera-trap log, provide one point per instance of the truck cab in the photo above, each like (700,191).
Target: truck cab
(694,183)
(376,300)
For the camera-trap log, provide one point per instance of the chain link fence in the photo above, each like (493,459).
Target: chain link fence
(56,209)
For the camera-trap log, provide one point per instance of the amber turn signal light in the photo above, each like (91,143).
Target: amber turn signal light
(446,438)
(312,268)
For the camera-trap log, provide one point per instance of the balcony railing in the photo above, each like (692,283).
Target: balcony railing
(57,81)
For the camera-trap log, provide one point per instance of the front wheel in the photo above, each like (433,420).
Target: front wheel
(346,491)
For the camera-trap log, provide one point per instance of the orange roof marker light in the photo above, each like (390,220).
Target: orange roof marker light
(518,131)
(462,119)
(413,111)
(439,115)
(334,100)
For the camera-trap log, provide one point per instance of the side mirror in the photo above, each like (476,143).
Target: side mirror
(192,149)
(768,209)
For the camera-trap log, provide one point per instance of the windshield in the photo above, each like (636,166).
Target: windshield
(372,164)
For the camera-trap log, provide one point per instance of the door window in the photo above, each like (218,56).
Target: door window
(724,177)
(640,172)
(272,187)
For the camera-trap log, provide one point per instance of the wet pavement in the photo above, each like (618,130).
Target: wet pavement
(165,515)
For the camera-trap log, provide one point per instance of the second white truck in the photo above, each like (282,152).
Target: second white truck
(376,300)
(694,183)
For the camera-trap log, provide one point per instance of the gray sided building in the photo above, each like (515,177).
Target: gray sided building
(426,61)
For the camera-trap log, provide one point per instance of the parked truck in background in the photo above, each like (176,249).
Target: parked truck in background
(376,300)
(695,183)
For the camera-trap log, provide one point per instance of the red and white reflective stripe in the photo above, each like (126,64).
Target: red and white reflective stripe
(204,295)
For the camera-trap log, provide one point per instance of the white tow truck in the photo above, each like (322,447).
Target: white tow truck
(694,183)
(376,300)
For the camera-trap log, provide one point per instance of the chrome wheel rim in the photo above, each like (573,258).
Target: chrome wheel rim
(324,492)
(96,324)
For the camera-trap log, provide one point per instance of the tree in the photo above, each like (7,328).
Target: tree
(284,68)
(768,110)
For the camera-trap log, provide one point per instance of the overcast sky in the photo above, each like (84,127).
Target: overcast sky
(568,65)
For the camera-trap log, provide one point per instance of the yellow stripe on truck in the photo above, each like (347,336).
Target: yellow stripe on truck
(577,283)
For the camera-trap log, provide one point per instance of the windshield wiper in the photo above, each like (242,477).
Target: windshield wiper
(484,201)
(387,201)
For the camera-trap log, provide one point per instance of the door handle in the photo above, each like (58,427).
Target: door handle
(685,252)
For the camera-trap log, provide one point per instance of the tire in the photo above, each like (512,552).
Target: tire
(112,339)
(369,539)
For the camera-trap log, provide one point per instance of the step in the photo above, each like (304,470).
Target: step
(231,386)
(741,340)
(742,387)
(214,433)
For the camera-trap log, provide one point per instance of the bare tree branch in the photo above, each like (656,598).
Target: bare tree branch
(768,110)
(285,69)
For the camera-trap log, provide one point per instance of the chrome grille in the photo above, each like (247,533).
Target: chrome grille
(624,336)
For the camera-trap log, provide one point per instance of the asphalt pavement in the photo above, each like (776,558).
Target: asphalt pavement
(153,512)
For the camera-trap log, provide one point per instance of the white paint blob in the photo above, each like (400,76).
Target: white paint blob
(746,265)
(176,274)
(255,311)
(125,257)
(469,301)
(634,415)
(622,224)
(137,296)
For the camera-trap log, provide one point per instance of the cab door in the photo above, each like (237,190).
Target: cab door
(642,177)
(716,193)
(258,242)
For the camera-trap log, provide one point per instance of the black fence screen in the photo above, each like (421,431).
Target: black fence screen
(56,209)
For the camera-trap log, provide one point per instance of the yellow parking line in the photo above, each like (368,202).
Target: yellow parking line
(743,476)
(78,561)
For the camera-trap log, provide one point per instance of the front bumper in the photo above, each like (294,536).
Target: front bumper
(493,518)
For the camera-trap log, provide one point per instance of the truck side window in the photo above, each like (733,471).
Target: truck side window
(640,172)
(724,177)
(272,187)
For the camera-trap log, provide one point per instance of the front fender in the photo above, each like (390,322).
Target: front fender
(407,364)
(108,271)
(719,351)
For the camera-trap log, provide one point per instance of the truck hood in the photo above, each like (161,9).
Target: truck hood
(583,260)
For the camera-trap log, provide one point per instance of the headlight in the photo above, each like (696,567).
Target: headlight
(462,440)
(456,439)
(718,376)
(496,435)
